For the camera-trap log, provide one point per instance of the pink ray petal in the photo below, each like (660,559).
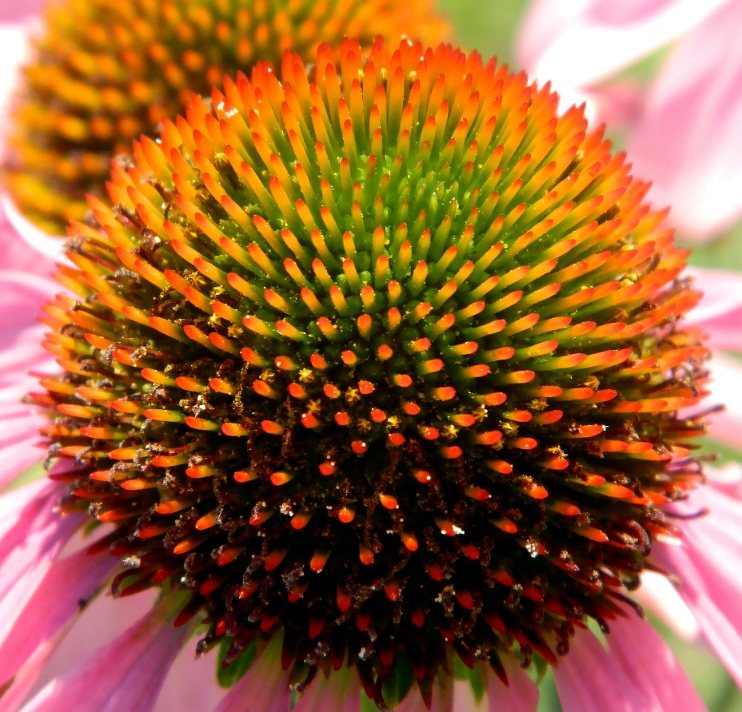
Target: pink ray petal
(442,697)
(22,294)
(688,141)
(18,457)
(31,532)
(27,564)
(340,692)
(124,676)
(191,682)
(17,255)
(263,688)
(11,11)
(575,43)
(719,312)
(658,595)
(637,672)
(102,619)
(39,623)
(725,389)
(21,298)
(708,563)
(520,694)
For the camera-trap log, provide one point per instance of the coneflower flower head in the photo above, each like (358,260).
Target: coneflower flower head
(381,359)
(107,71)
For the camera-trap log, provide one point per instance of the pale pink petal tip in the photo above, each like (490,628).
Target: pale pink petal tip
(637,672)
(47,245)
(442,697)
(519,695)
(340,692)
(708,563)
(124,676)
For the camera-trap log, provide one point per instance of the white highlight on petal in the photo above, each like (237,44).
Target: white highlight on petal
(568,43)
(722,294)
(658,594)
(15,46)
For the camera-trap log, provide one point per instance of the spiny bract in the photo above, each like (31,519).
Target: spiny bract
(106,71)
(383,356)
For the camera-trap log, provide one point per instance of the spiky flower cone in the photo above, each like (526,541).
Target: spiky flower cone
(385,357)
(107,71)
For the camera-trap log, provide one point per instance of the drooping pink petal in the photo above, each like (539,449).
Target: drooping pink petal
(102,619)
(124,676)
(31,533)
(32,537)
(719,312)
(725,389)
(39,592)
(618,104)
(263,688)
(520,694)
(17,255)
(340,692)
(637,672)
(688,140)
(191,682)
(442,697)
(22,294)
(40,623)
(575,43)
(708,563)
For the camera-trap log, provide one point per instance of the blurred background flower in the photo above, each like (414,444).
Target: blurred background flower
(667,77)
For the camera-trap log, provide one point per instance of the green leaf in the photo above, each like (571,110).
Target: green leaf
(402,679)
(367,704)
(229,675)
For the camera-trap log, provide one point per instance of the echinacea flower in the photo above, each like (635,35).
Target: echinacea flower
(103,72)
(682,130)
(369,370)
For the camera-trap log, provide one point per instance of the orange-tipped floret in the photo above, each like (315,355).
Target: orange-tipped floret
(385,355)
(106,71)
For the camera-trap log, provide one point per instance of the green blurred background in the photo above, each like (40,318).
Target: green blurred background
(491,26)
